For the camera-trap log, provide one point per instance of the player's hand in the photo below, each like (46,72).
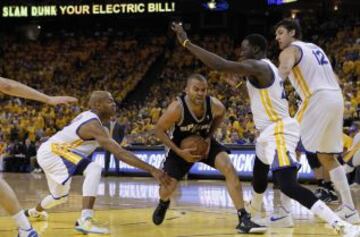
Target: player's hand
(180,32)
(54,100)
(188,156)
(161,177)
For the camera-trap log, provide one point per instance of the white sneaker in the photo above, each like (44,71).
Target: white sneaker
(87,226)
(346,229)
(281,218)
(348,214)
(257,216)
(35,215)
(27,233)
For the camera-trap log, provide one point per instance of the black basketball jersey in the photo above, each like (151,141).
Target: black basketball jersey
(190,124)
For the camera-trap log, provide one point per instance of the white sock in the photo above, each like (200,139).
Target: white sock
(285,201)
(324,212)
(86,213)
(257,200)
(338,177)
(21,220)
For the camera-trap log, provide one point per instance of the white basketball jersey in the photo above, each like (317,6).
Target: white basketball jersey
(313,72)
(67,140)
(268,105)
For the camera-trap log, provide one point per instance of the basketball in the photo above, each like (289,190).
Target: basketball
(195,142)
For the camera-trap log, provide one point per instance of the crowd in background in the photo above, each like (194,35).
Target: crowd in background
(76,65)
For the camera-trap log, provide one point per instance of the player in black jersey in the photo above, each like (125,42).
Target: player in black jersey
(196,113)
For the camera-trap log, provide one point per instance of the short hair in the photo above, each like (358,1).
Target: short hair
(257,40)
(290,24)
(196,76)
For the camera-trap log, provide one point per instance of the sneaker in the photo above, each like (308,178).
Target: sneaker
(319,192)
(257,216)
(160,212)
(333,197)
(27,233)
(246,225)
(346,229)
(35,215)
(87,226)
(348,214)
(281,218)
(326,195)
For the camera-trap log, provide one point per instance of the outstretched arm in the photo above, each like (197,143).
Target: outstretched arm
(94,130)
(244,68)
(14,88)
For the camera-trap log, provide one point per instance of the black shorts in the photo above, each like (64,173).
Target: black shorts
(176,167)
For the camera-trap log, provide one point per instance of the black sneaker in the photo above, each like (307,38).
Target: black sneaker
(160,212)
(320,192)
(333,198)
(247,226)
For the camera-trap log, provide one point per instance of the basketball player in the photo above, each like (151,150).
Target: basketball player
(8,198)
(279,133)
(321,112)
(196,113)
(64,154)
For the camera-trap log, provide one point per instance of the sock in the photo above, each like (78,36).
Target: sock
(338,177)
(86,213)
(257,200)
(21,221)
(285,202)
(324,212)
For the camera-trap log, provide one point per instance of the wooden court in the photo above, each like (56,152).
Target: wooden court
(125,205)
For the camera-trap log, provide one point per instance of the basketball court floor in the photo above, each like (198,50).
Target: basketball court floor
(125,205)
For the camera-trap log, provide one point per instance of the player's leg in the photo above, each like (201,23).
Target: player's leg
(330,142)
(176,168)
(58,195)
(12,206)
(287,179)
(85,223)
(224,165)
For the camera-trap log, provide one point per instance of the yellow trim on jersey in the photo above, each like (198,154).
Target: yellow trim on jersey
(300,114)
(64,150)
(281,144)
(299,78)
(266,101)
(279,127)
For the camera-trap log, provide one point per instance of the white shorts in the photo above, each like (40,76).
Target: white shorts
(58,169)
(321,122)
(277,143)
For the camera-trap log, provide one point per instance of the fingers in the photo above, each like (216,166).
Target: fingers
(176,26)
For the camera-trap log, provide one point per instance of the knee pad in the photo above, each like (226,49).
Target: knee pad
(313,160)
(92,179)
(260,176)
(93,168)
